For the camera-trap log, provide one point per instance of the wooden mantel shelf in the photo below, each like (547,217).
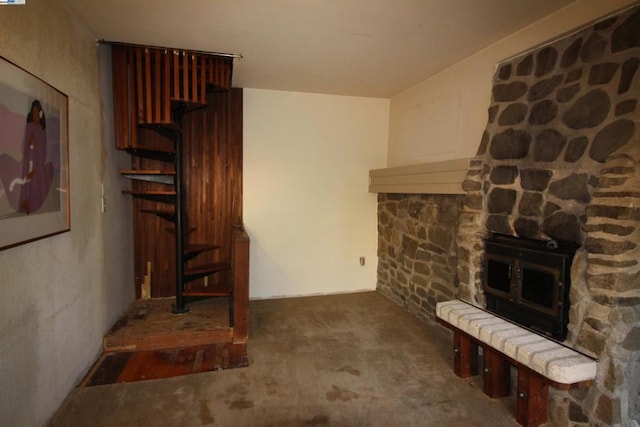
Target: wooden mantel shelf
(443,177)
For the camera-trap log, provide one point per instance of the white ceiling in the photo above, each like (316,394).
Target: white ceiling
(374,48)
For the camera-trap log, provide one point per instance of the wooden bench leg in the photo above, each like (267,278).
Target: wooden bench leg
(465,356)
(532,398)
(496,373)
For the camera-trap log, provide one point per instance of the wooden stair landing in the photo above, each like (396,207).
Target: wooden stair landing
(149,342)
(150,325)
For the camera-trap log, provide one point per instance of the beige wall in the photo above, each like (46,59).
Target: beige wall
(443,117)
(306,205)
(59,295)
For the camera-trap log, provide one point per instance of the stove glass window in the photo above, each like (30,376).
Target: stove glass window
(538,286)
(499,275)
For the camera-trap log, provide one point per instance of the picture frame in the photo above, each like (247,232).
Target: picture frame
(34,158)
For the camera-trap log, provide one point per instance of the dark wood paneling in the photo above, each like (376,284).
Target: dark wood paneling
(152,242)
(212,152)
(120,97)
(210,170)
(235,141)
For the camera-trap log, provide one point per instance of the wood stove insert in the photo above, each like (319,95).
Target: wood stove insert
(527,281)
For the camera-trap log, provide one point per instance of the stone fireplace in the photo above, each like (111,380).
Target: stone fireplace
(559,159)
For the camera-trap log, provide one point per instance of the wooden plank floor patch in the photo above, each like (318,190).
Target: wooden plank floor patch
(124,367)
(150,325)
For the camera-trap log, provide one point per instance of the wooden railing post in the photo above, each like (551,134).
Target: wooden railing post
(240,273)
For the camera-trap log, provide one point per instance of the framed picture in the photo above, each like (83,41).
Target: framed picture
(34,158)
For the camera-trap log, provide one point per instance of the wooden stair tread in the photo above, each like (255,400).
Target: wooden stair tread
(162,126)
(200,247)
(183,105)
(159,211)
(161,154)
(162,196)
(147,172)
(210,268)
(149,192)
(172,230)
(166,177)
(192,250)
(186,104)
(205,293)
(166,214)
(218,290)
(152,149)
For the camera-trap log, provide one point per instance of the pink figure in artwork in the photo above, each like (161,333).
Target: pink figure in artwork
(27,185)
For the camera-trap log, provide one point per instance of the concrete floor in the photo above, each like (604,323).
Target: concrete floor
(340,360)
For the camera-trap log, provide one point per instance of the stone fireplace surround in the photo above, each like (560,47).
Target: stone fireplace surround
(560,159)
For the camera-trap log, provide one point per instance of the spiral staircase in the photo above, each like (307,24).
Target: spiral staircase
(177,116)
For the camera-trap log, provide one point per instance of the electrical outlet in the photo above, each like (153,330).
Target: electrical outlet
(361,260)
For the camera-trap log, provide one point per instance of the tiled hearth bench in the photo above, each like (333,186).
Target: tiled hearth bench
(540,362)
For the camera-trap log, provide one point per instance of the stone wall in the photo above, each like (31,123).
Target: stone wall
(560,159)
(417,249)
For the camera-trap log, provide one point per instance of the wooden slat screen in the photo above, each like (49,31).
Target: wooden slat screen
(184,77)
(146,81)
(148,94)
(166,106)
(203,74)
(176,75)
(139,87)
(157,84)
(121,103)
(195,90)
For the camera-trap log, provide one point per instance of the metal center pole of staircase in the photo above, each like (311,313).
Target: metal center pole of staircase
(179,306)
